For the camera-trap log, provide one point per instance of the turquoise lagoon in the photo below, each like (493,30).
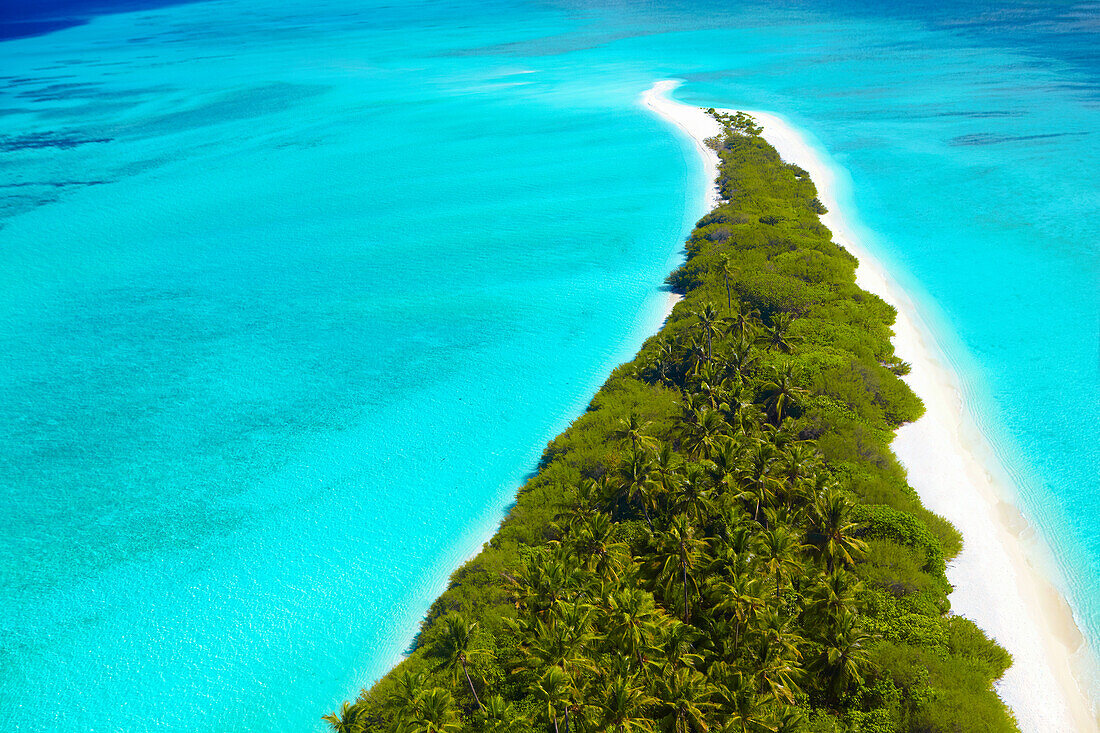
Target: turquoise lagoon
(291,299)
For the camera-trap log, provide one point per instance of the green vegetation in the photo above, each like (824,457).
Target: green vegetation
(724,541)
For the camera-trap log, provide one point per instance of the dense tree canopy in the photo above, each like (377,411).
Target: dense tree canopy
(724,541)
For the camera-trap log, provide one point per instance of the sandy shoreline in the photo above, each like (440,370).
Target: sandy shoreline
(697,125)
(996,584)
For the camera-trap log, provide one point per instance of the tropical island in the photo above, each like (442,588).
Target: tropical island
(724,541)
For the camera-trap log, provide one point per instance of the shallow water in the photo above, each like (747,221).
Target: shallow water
(290,301)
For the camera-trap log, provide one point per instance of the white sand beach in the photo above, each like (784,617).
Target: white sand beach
(697,125)
(693,121)
(995,578)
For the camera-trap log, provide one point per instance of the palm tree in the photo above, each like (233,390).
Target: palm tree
(755,479)
(844,660)
(554,689)
(411,687)
(775,670)
(684,698)
(731,552)
(541,581)
(744,320)
(777,335)
(780,633)
(666,467)
(695,354)
(562,644)
(742,708)
(595,542)
(723,465)
(623,704)
(740,408)
(709,323)
(678,643)
(797,462)
(727,270)
(675,560)
(587,499)
(718,638)
(702,432)
(777,548)
(633,622)
(662,362)
(833,598)
(634,430)
(347,721)
(498,716)
(793,489)
(458,647)
(741,598)
(437,713)
(634,481)
(781,392)
(713,387)
(740,362)
(781,437)
(791,720)
(693,495)
(832,531)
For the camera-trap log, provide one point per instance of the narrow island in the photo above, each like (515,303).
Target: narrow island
(724,541)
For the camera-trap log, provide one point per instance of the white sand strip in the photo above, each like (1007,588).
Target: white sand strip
(996,585)
(697,125)
(692,121)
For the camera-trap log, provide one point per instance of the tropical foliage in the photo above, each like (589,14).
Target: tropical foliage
(724,541)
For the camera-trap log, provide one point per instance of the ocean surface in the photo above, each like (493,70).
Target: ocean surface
(292,297)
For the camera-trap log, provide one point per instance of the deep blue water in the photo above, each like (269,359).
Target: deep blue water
(23,18)
(292,297)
